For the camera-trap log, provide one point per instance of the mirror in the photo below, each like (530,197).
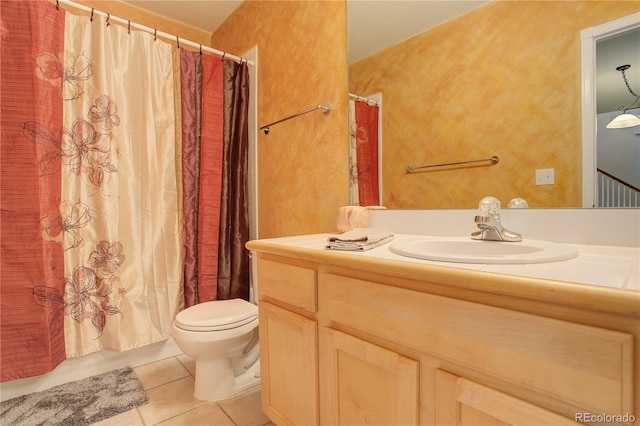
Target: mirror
(617,179)
(503,79)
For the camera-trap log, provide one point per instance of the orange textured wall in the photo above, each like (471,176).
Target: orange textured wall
(503,79)
(302,62)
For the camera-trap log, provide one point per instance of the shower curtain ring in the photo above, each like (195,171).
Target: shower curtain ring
(129,27)
(200,49)
(178,41)
(91,17)
(57,5)
(223,55)
(155,34)
(108,17)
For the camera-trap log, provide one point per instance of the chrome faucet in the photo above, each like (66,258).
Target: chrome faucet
(488,220)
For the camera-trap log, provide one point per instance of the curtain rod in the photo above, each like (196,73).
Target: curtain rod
(361,98)
(155,32)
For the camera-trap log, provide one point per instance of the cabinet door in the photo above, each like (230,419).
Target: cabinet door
(289,366)
(462,402)
(363,383)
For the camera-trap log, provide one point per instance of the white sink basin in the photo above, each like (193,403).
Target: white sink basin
(466,250)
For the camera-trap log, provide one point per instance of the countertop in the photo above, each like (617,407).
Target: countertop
(603,278)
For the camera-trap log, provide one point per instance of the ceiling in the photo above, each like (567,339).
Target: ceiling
(610,87)
(410,17)
(371,30)
(206,15)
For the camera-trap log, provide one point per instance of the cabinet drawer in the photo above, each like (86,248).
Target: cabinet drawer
(463,402)
(581,365)
(291,284)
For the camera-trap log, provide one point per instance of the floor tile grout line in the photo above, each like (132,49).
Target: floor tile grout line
(167,383)
(177,415)
(176,357)
(155,361)
(140,416)
(185,367)
(226,414)
(187,375)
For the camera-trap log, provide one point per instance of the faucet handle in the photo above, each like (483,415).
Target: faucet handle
(488,220)
(490,206)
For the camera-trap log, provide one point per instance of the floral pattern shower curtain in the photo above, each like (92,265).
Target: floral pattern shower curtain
(363,154)
(120,185)
(31,335)
(100,128)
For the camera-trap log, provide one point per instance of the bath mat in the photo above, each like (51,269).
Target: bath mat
(78,403)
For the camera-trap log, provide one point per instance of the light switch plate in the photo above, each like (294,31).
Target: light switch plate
(545,176)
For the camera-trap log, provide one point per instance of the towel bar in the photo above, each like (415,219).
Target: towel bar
(324,107)
(494,160)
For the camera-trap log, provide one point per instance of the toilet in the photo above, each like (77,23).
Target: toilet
(222,337)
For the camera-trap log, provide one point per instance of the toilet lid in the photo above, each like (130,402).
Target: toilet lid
(217,315)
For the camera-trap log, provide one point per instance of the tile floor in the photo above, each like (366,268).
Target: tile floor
(169,386)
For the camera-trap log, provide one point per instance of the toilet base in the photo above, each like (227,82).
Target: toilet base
(215,381)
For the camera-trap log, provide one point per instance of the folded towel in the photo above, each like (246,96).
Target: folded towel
(359,239)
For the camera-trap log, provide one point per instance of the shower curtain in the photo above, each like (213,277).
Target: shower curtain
(118,160)
(215,133)
(363,154)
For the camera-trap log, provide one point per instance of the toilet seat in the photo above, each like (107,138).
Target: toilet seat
(217,315)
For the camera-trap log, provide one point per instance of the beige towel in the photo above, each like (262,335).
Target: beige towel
(350,217)
(359,239)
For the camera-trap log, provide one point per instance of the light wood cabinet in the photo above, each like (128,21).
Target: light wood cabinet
(367,384)
(342,345)
(288,343)
(581,365)
(288,351)
(462,402)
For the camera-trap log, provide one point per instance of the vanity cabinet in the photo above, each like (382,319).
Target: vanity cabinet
(352,342)
(571,364)
(288,342)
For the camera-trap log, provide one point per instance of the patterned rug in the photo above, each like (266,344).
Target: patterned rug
(78,403)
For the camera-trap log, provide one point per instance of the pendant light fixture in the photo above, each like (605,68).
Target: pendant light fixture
(624,119)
